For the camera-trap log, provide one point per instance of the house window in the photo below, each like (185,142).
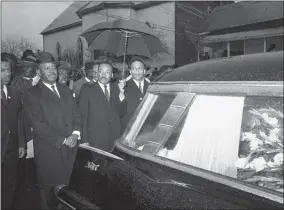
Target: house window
(58,51)
(274,43)
(254,46)
(97,54)
(79,62)
(237,47)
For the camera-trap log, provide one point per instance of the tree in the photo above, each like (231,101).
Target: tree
(70,55)
(17,45)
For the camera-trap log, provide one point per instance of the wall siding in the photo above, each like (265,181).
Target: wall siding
(65,38)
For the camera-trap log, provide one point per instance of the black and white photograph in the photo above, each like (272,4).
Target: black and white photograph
(141,104)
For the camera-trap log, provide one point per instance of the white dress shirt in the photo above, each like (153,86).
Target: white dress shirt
(88,80)
(55,87)
(34,79)
(5,91)
(49,86)
(103,88)
(137,83)
(121,98)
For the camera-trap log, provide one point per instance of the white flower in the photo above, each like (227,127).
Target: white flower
(273,135)
(240,163)
(271,120)
(278,159)
(254,141)
(9,97)
(140,148)
(248,135)
(258,164)
(74,95)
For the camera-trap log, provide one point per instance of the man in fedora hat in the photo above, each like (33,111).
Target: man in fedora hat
(22,82)
(57,128)
(91,69)
(136,88)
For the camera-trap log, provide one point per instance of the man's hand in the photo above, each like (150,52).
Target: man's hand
(21,152)
(71,141)
(121,85)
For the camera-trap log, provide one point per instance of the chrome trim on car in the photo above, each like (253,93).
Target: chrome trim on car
(57,189)
(65,203)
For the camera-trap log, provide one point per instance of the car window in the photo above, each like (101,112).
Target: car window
(155,119)
(239,137)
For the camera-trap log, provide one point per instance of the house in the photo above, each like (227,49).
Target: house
(62,35)
(190,16)
(243,28)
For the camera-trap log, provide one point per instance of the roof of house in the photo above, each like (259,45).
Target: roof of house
(243,13)
(72,15)
(98,5)
(66,19)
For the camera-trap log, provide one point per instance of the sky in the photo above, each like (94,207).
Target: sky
(28,19)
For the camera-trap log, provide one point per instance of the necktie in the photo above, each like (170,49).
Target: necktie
(53,88)
(106,92)
(140,87)
(3,95)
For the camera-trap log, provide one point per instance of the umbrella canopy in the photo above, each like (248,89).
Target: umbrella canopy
(122,37)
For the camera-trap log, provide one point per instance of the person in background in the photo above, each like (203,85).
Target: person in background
(22,83)
(91,69)
(11,131)
(28,55)
(271,48)
(101,105)
(57,127)
(135,89)
(13,63)
(63,74)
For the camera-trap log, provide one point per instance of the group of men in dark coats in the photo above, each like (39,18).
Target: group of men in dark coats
(61,121)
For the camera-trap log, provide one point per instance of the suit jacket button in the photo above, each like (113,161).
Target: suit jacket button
(9,132)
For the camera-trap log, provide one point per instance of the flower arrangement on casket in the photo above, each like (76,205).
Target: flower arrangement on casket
(261,149)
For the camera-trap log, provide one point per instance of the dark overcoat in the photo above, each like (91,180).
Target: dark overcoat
(100,117)
(11,129)
(53,119)
(133,98)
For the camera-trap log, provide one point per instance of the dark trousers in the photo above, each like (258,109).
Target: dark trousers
(9,181)
(47,198)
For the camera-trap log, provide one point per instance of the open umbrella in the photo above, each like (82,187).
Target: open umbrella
(124,37)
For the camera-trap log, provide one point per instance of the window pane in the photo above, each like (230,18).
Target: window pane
(157,112)
(254,46)
(261,147)
(209,138)
(236,47)
(234,136)
(274,43)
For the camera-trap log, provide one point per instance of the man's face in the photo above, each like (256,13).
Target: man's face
(29,70)
(5,72)
(91,73)
(48,72)
(62,76)
(137,70)
(105,73)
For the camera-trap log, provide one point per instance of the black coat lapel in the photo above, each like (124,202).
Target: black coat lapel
(145,87)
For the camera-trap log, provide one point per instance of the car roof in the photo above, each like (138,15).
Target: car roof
(253,67)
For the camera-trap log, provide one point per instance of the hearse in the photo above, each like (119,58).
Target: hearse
(208,135)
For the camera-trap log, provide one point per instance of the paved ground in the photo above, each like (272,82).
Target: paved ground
(29,197)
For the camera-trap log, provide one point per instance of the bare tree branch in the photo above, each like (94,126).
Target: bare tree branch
(16,45)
